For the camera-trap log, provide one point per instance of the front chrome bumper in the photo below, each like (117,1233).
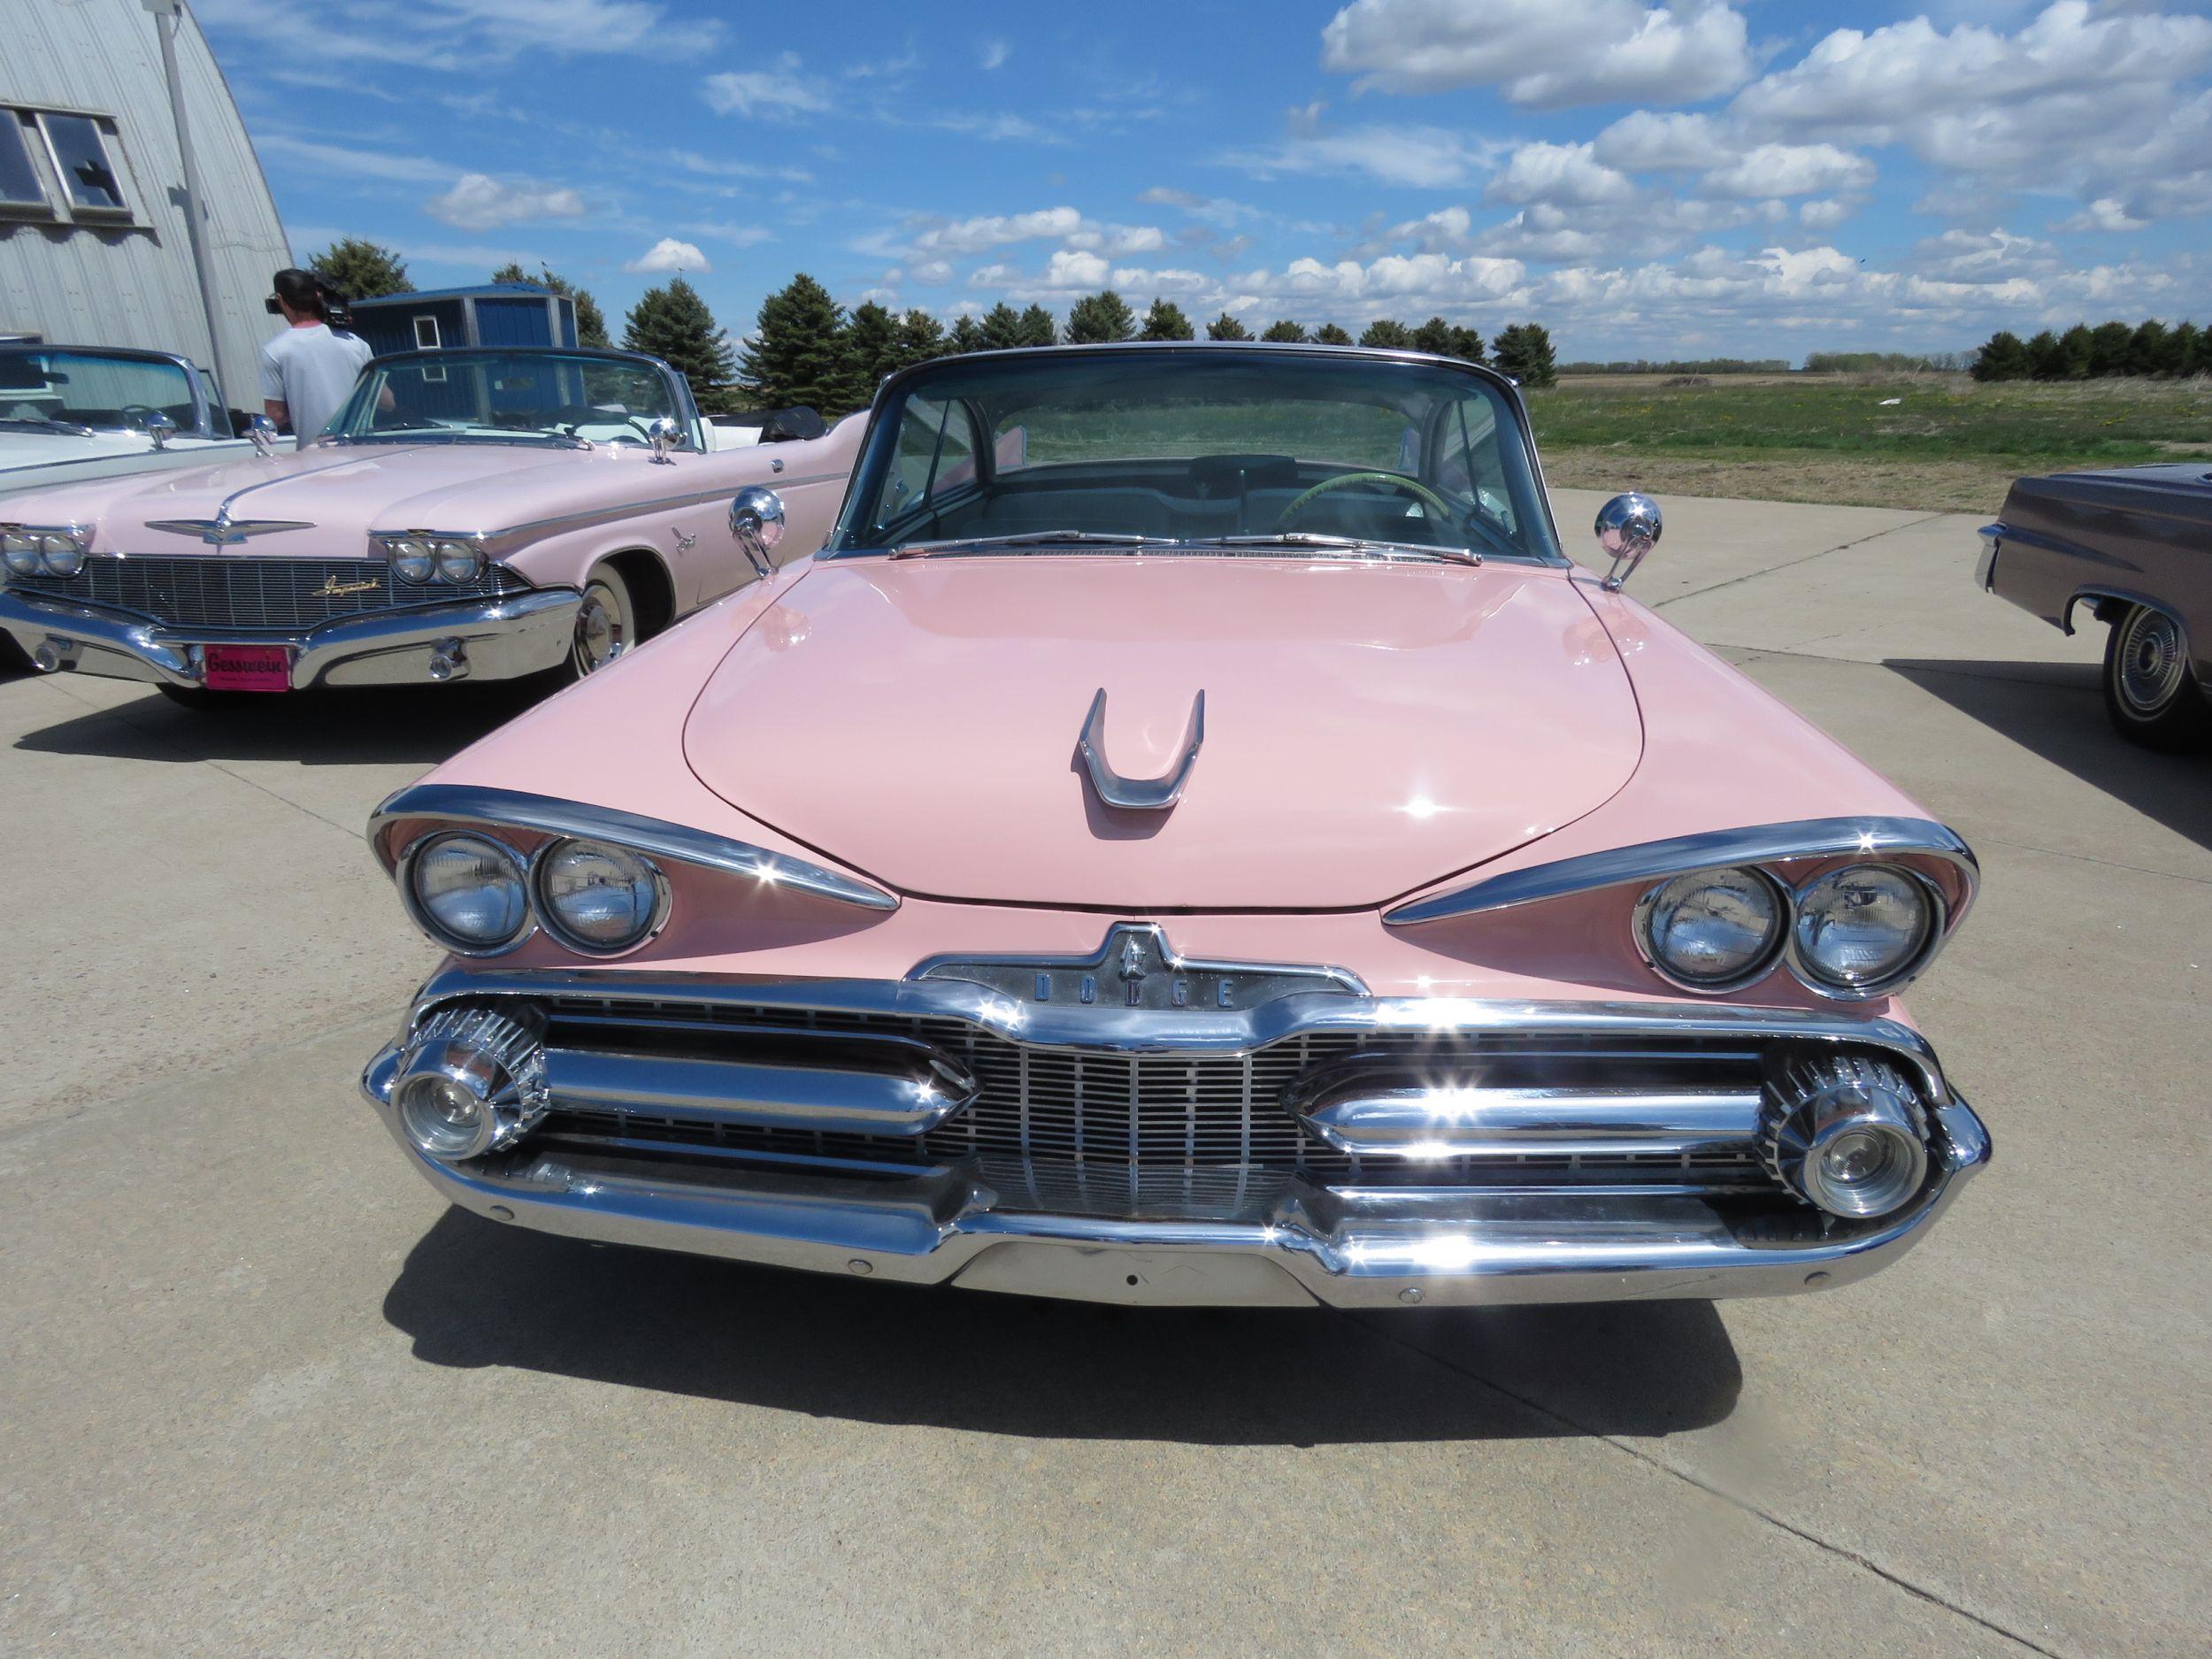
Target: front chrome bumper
(486,639)
(1294,1243)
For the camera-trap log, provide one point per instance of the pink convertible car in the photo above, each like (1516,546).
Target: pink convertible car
(1190,837)
(485,513)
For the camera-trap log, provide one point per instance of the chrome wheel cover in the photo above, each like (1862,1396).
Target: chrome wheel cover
(602,631)
(2153,663)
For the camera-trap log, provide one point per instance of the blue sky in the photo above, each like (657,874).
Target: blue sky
(1747,179)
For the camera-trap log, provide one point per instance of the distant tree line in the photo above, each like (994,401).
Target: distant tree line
(1682,365)
(2083,353)
(1886,362)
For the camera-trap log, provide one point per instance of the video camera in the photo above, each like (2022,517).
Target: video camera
(336,311)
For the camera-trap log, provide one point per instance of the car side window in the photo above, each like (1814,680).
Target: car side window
(935,456)
(1468,463)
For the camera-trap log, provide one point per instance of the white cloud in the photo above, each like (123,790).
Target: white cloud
(2104,213)
(1791,170)
(1118,241)
(479,201)
(1824,215)
(1423,158)
(991,54)
(994,230)
(775,93)
(668,254)
(1072,268)
(1646,141)
(1217,209)
(1546,53)
(455,34)
(1558,174)
(367,163)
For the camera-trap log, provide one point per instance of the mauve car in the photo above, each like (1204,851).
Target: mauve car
(2134,545)
(1190,837)
(69,413)
(483,514)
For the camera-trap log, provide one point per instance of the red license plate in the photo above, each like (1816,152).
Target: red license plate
(248,667)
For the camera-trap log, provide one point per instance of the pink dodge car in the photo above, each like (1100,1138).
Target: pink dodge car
(479,513)
(1190,837)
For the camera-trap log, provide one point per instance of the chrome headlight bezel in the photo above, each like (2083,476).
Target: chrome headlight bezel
(403,877)
(44,550)
(559,929)
(457,561)
(1934,924)
(1780,922)
(410,558)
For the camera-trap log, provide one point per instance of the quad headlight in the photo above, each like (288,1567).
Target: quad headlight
(1712,930)
(468,892)
(1860,929)
(597,898)
(422,559)
(31,550)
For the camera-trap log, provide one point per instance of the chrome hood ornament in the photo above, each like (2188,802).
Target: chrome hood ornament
(1136,967)
(223,531)
(1138,795)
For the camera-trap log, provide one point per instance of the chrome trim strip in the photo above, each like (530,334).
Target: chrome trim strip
(515,535)
(515,808)
(1398,1116)
(1649,861)
(1139,794)
(1110,1029)
(792,1094)
(1993,537)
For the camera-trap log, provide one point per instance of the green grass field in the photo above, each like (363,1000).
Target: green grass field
(1946,443)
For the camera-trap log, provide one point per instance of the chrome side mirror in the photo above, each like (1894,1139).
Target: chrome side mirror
(664,434)
(757,521)
(160,428)
(1628,529)
(262,434)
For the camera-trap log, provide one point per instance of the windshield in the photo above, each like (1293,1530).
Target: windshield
(1237,448)
(508,397)
(79,391)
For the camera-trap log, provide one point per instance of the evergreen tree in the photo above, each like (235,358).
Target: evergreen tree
(1038,328)
(2111,350)
(1391,336)
(2002,357)
(591,322)
(1002,328)
(674,324)
(2185,351)
(796,355)
(360,269)
(1165,321)
(1103,316)
(871,349)
(1284,333)
(1465,344)
(1227,327)
(1434,335)
(921,337)
(2077,347)
(1524,351)
(2046,358)
(967,333)
(1330,335)
(2150,351)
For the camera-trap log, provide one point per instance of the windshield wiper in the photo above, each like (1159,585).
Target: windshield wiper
(41,423)
(1339,543)
(1027,538)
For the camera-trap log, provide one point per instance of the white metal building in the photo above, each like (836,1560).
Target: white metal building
(95,244)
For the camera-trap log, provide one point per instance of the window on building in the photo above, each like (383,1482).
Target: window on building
(425,333)
(19,183)
(81,158)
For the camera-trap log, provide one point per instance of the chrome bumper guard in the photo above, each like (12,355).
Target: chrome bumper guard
(1294,1240)
(485,639)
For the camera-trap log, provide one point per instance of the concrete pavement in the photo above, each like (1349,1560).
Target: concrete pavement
(262,1395)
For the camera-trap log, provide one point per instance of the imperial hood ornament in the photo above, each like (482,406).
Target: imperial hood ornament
(223,531)
(1136,967)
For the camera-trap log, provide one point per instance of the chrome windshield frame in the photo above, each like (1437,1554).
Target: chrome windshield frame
(203,405)
(686,408)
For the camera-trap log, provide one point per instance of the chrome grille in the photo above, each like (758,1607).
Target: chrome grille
(251,593)
(1085,1132)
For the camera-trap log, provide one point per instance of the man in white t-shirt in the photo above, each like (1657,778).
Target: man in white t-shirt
(308,370)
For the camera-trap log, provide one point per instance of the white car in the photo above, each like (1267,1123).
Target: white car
(69,412)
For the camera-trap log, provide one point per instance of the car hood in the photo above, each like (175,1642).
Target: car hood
(1369,727)
(339,493)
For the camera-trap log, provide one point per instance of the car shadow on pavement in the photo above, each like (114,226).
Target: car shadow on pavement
(384,724)
(475,1294)
(2056,711)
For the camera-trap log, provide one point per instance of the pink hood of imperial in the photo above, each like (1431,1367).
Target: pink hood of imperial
(1370,728)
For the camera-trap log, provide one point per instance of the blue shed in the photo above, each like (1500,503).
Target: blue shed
(495,314)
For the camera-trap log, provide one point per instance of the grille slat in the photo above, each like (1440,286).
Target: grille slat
(253,593)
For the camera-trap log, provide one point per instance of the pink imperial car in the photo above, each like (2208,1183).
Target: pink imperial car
(483,514)
(1190,837)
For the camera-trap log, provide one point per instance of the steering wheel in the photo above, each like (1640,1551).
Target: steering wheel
(1414,487)
(142,411)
